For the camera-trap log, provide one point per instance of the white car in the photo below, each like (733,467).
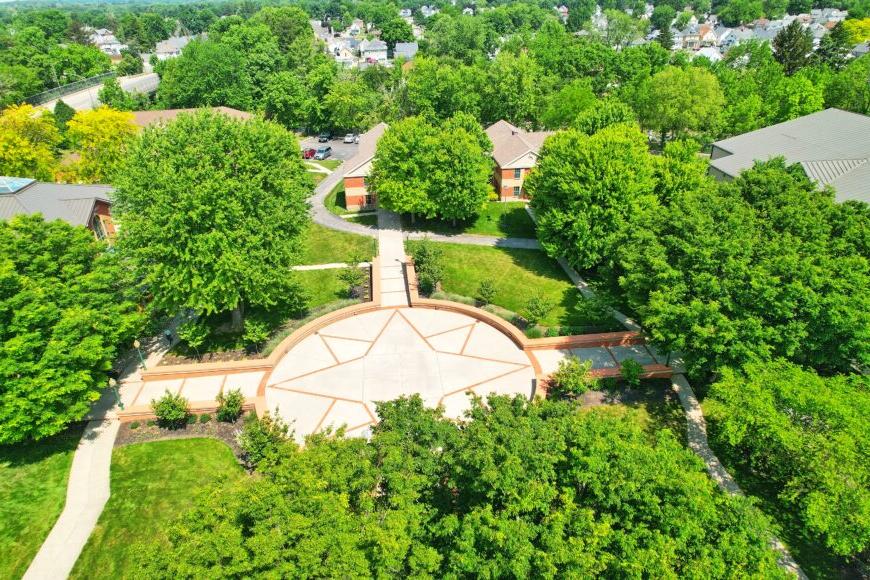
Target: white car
(350,138)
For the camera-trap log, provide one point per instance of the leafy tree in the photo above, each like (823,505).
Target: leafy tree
(630,371)
(665,38)
(677,100)
(428,265)
(206,74)
(396,30)
(259,52)
(349,105)
(585,188)
(284,100)
(27,142)
(288,24)
(756,268)
(210,235)
(101,137)
(112,95)
(441,89)
(17,82)
(807,435)
(486,291)
(434,170)
(63,113)
(194,333)
(66,306)
(261,438)
(537,307)
(519,489)
(131,63)
(834,47)
(256,331)
(607,112)
(848,89)
(683,19)
(857,26)
(793,97)
(621,29)
(567,103)
(513,90)
(571,379)
(738,12)
(793,47)
(662,17)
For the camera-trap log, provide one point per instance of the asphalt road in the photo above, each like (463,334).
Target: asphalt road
(87,99)
(340,151)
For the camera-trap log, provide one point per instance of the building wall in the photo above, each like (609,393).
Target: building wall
(101,221)
(718,153)
(505,182)
(356,194)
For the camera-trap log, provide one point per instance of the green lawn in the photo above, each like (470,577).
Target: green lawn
(330,164)
(316,176)
(508,219)
(334,200)
(33,479)
(322,286)
(325,246)
(152,483)
(370,220)
(518,275)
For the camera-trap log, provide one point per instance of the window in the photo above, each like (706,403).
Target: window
(517,191)
(518,173)
(97,226)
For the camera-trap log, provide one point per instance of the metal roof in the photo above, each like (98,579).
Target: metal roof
(833,147)
(68,202)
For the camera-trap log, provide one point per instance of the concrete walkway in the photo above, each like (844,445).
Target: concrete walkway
(391,251)
(88,488)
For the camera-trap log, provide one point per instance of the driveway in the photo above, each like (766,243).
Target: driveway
(340,151)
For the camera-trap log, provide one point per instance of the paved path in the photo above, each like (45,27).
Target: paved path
(88,98)
(326,218)
(88,487)
(391,251)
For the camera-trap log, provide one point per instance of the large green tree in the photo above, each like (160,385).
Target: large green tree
(206,74)
(431,170)
(520,489)
(808,435)
(212,211)
(585,188)
(66,307)
(764,266)
(793,47)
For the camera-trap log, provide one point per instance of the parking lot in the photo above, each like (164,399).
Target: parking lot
(341,151)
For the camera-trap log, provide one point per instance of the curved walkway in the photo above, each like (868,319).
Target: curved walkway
(326,218)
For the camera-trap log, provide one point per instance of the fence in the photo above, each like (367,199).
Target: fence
(58,92)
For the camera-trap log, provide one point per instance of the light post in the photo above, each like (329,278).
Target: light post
(136,345)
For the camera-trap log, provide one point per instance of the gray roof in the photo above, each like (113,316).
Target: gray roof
(833,147)
(71,203)
(372,45)
(406,49)
(509,143)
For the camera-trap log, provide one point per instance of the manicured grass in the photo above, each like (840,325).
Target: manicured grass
(370,220)
(334,200)
(325,246)
(322,286)
(518,275)
(316,176)
(33,478)
(152,483)
(330,164)
(506,220)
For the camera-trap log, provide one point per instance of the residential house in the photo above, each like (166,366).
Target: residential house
(406,50)
(515,153)
(161,117)
(706,35)
(356,193)
(373,51)
(79,205)
(832,147)
(105,40)
(171,47)
(345,57)
(405,13)
(710,52)
(356,27)
(861,49)
(428,11)
(468,11)
(563,12)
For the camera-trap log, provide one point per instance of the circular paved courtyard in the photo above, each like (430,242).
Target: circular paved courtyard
(334,376)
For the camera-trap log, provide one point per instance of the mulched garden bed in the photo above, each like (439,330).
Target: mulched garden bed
(214,429)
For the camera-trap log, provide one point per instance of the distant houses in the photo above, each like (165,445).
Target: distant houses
(172,47)
(105,40)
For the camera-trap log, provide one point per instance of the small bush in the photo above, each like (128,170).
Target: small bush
(534,332)
(256,331)
(194,333)
(191,419)
(631,371)
(486,291)
(134,425)
(353,276)
(151,423)
(171,410)
(427,265)
(552,332)
(571,379)
(260,438)
(537,309)
(230,405)
(204,418)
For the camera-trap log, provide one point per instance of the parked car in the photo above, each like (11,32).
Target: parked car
(350,138)
(308,153)
(323,153)
(356,139)
(324,137)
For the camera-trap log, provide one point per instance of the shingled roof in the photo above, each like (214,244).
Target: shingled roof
(509,143)
(832,146)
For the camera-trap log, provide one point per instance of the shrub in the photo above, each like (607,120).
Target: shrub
(486,291)
(260,438)
(571,379)
(534,332)
(631,371)
(134,425)
(171,410)
(427,265)
(353,276)
(256,331)
(204,418)
(151,422)
(191,419)
(230,405)
(537,308)
(194,333)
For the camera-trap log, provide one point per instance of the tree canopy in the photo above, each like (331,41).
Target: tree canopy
(520,489)
(66,308)
(210,209)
